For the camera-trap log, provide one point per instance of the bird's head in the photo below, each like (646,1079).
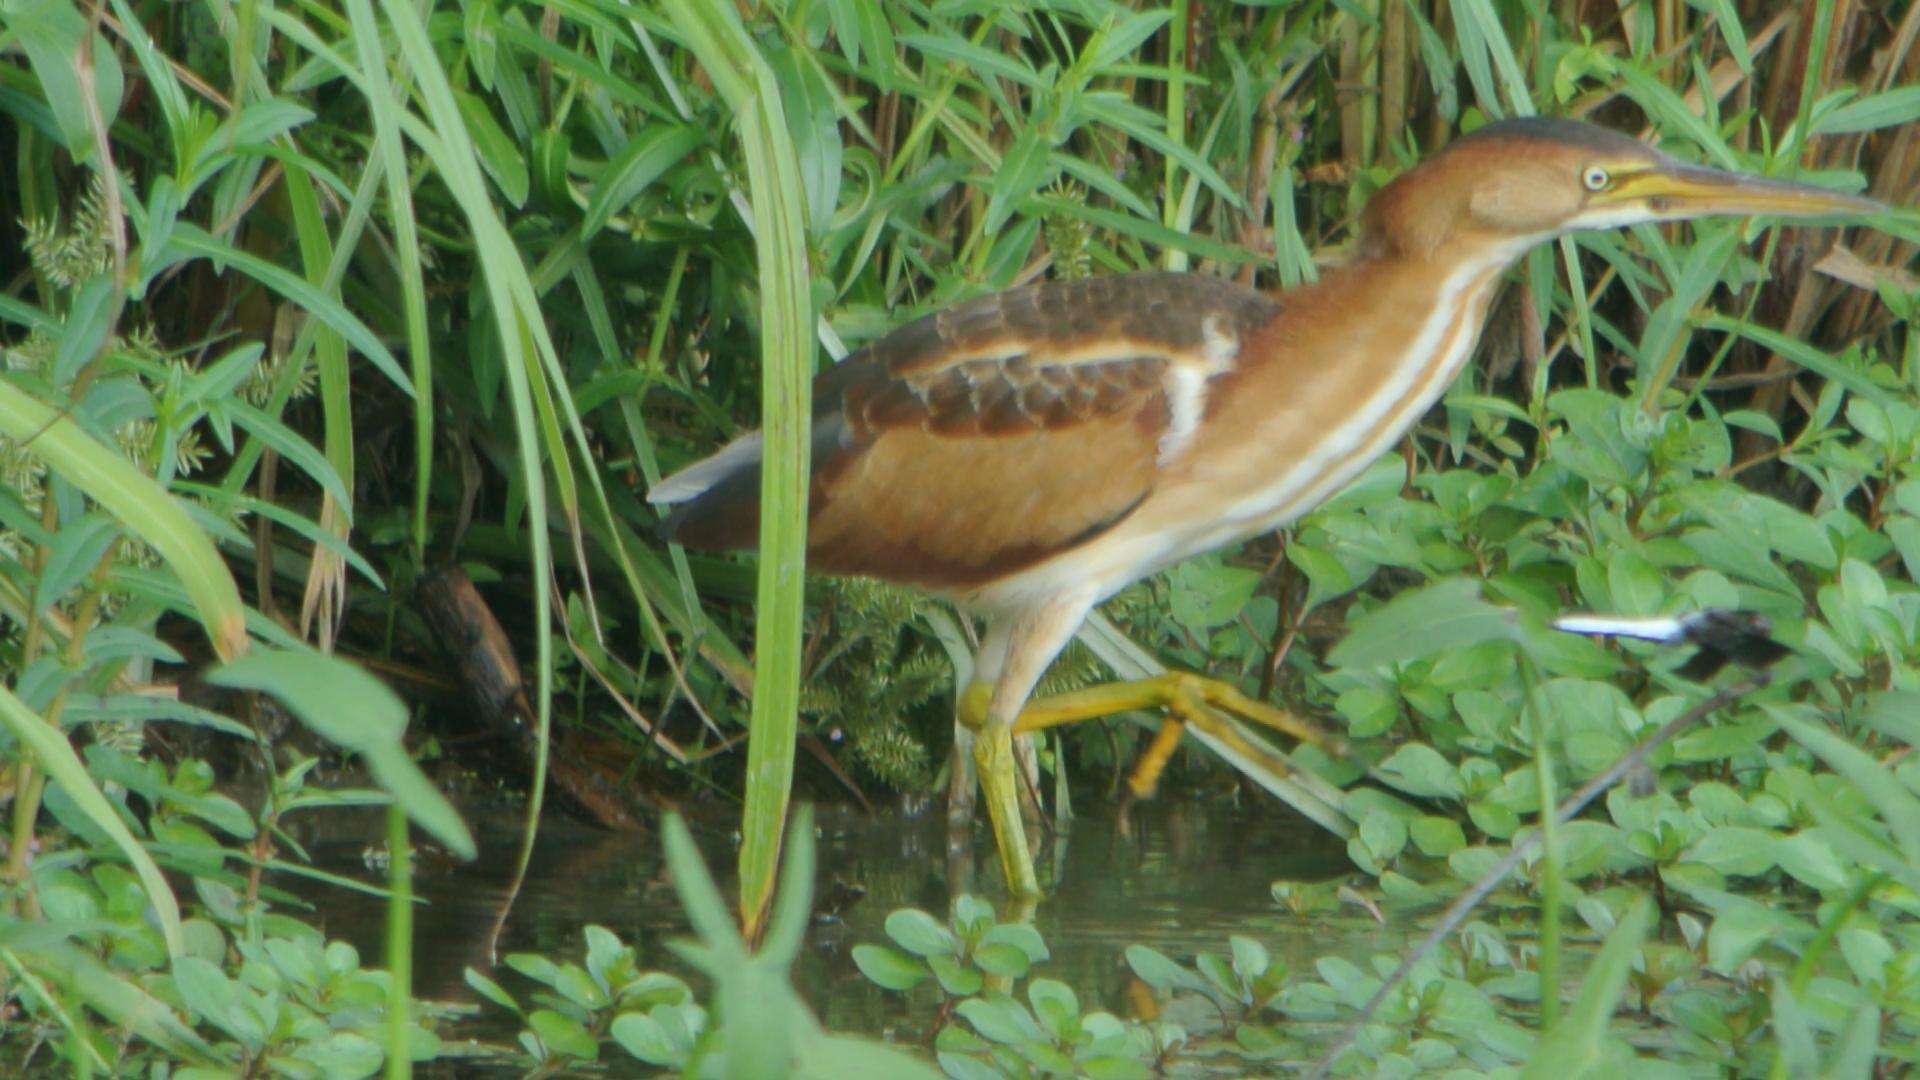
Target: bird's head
(1522,181)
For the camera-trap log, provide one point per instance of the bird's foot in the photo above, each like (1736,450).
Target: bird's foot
(1210,707)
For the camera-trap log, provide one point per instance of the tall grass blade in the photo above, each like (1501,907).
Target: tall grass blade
(399,945)
(1485,50)
(1174,258)
(71,1020)
(385,106)
(516,320)
(742,77)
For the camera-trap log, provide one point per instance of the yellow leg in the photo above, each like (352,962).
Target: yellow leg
(1153,760)
(1190,698)
(993,755)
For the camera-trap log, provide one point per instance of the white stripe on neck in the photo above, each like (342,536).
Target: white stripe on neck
(1419,376)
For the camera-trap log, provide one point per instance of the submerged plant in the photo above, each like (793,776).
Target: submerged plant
(874,676)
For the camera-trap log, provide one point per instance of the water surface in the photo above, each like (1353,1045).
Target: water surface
(1183,878)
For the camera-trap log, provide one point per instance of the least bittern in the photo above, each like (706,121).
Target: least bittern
(1028,454)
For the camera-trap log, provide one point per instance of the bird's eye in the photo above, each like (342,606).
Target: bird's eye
(1595,178)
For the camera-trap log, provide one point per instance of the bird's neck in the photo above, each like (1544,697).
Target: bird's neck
(1423,306)
(1454,254)
(1351,363)
(1423,313)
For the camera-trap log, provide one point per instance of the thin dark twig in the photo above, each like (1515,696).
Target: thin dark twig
(1457,913)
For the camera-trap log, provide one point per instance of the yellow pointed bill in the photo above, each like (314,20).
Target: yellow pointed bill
(1684,191)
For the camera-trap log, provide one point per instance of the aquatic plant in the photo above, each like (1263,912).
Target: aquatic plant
(756,1027)
(302,299)
(986,1026)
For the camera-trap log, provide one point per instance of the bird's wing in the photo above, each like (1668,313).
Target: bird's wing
(995,433)
(1052,356)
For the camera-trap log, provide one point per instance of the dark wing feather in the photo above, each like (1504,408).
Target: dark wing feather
(997,432)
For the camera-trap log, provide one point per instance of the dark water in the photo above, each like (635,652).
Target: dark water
(1186,877)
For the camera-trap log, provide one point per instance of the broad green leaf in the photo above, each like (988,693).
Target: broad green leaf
(1636,585)
(1021,936)
(205,990)
(1001,1019)
(1027,166)
(491,990)
(891,969)
(1419,769)
(343,1054)
(353,709)
(1735,850)
(1158,971)
(74,554)
(1898,807)
(1005,961)
(1436,837)
(1056,1006)
(1445,615)
(86,328)
(920,933)
(1250,958)
(50,32)
(956,979)
(1380,839)
(564,1034)
(642,1036)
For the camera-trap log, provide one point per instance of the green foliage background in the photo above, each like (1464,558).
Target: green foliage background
(308,296)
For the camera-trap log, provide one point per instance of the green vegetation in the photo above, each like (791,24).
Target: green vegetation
(652,1016)
(302,300)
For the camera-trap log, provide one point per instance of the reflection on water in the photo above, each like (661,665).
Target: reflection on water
(1188,876)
